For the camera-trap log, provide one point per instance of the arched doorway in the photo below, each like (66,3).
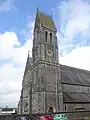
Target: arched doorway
(50,110)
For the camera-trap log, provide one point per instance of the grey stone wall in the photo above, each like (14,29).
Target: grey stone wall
(76,107)
(35,103)
(38,102)
(48,72)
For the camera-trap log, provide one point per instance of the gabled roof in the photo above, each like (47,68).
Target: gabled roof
(45,20)
(75,76)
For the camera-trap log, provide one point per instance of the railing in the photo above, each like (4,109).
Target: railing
(76,115)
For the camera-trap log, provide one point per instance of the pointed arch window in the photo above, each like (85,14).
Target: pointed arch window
(50,37)
(46,35)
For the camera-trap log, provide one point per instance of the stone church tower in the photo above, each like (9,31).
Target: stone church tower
(41,77)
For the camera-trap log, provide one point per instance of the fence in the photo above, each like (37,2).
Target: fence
(79,115)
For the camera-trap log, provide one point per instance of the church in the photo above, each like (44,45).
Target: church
(47,85)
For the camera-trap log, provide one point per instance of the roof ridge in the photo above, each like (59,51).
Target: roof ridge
(80,69)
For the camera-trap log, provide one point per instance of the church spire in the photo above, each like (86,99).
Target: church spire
(45,20)
(37,7)
(45,40)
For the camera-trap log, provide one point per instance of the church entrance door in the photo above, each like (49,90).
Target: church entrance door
(50,110)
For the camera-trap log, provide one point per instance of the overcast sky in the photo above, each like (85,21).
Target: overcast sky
(72,18)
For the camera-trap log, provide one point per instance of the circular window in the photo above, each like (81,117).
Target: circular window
(49,53)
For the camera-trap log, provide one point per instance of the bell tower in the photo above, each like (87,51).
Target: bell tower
(45,41)
(46,88)
(41,86)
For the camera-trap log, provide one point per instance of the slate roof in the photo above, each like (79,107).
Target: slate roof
(76,97)
(74,76)
(45,20)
